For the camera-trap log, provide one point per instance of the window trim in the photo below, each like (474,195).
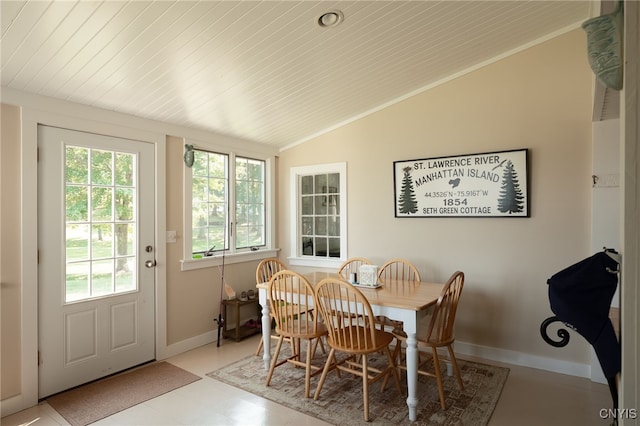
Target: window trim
(231,255)
(295,258)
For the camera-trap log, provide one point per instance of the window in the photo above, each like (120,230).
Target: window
(210,200)
(250,207)
(318,195)
(226,208)
(100,232)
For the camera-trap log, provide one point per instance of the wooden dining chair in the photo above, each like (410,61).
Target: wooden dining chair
(291,297)
(396,269)
(266,269)
(352,265)
(339,302)
(438,334)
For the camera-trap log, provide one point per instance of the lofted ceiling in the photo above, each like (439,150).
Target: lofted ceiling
(260,70)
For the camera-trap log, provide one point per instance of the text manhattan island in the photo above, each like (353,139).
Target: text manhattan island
(455,173)
(456,168)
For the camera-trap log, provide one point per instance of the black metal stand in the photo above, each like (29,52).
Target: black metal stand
(562,333)
(220,326)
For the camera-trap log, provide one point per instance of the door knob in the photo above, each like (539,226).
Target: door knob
(150,263)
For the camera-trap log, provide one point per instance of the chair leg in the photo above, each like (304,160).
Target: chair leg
(327,366)
(455,366)
(365,386)
(394,371)
(436,366)
(307,377)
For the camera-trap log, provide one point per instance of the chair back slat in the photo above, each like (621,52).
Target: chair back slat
(291,297)
(444,314)
(347,314)
(267,268)
(399,269)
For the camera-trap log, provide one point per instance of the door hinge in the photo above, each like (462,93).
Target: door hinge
(39,358)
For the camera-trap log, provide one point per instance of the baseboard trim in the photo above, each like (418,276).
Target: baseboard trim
(523,359)
(188,344)
(12,405)
(463,348)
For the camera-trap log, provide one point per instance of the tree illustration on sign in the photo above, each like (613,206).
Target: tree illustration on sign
(407,200)
(511,197)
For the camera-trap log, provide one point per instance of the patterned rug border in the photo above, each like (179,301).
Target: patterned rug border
(250,376)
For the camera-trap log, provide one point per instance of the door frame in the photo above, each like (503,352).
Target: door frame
(91,121)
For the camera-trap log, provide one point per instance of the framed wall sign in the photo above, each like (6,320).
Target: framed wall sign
(492,184)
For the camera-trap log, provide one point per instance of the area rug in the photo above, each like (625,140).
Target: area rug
(341,403)
(89,403)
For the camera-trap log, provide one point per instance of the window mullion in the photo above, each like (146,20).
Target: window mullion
(231,206)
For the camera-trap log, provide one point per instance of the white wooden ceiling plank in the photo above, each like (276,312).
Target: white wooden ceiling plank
(102,42)
(242,66)
(111,60)
(9,11)
(211,41)
(226,63)
(64,66)
(233,42)
(18,32)
(265,71)
(313,112)
(165,79)
(49,60)
(303,41)
(216,59)
(159,55)
(394,76)
(40,42)
(129,65)
(331,48)
(383,38)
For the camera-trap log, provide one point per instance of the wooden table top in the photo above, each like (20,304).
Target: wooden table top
(393,293)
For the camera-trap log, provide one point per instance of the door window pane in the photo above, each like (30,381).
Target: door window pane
(101,167)
(77,242)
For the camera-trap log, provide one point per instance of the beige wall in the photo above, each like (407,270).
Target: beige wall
(538,99)
(10,352)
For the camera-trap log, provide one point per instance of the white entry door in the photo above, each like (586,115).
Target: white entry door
(96,256)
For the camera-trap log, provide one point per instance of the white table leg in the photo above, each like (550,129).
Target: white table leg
(412,375)
(266,328)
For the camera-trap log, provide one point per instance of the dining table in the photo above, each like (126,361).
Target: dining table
(400,300)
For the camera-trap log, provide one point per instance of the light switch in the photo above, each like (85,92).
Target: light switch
(171,236)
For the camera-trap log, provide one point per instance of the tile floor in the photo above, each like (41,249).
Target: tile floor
(530,398)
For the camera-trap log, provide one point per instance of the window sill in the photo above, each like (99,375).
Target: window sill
(229,259)
(315,262)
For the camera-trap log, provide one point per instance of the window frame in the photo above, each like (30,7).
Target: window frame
(296,258)
(231,255)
